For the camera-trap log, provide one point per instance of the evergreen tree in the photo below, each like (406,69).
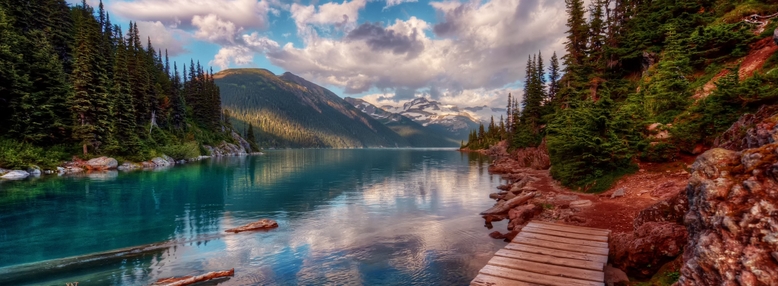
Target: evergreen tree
(124,108)
(554,76)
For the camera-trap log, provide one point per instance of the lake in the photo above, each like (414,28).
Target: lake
(346,217)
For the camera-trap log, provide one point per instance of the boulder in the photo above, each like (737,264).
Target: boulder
(751,130)
(257,225)
(102,163)
(672,210)
(3,171)
(580,204)
(15,175)
(618,193)
(521,215)
(34,171)
(496,235)
(732,218)
(643,252)
(163,161)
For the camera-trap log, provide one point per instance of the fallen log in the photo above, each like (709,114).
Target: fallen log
(257,225)
(188,280)
(503,207)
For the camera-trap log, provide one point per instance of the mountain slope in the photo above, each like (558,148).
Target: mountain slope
(416,134)
(444,119)
(288,111)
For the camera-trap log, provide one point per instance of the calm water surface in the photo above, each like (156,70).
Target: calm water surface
(346,217)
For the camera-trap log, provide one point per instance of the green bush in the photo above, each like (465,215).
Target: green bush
(660,152)
(182,151)
(19,155)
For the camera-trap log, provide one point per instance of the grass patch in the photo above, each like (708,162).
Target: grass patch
(746,9)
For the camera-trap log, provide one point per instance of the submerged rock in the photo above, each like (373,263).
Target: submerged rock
(102,163)
(257,225)
(15,175)
(732,218)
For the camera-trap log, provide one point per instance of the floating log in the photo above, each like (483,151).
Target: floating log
(188,280)
(257,225)
(505,206)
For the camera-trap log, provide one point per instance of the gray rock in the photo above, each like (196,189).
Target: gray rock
(34,171)
(160,162)
(15,175)
(618,193)
(3,171)
(102,163)
(60,170)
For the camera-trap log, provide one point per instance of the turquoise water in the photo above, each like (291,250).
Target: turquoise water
(346,217)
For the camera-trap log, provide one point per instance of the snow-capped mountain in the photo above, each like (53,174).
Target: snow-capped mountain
(447,119)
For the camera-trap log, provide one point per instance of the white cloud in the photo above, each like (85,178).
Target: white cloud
(390,3)
(342,15)
(213,29)
(477,46)
(243,13)
(163,37)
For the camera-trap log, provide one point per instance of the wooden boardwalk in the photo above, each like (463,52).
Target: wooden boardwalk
(549,254)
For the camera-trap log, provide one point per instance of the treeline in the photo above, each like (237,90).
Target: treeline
(68,76)
(630,64)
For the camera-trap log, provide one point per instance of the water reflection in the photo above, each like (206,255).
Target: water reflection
(360,217)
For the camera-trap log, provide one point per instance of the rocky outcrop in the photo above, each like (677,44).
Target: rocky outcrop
(534,158)
(164,161)
(733,218)
(101,163)
(751,130)
(642,253)
(669,210)
(225,149)
(242,142)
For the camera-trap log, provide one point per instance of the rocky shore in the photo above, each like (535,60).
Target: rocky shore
(103,164)
(711,220)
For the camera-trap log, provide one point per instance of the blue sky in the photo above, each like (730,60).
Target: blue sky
(466,53)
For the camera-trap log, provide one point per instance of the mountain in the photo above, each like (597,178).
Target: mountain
(288,111)
(416,134)
(444,119)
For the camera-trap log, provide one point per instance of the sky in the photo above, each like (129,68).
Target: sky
(467,54)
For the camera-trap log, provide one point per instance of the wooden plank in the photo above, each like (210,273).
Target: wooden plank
(575,226)
(561,246)
(547,259)
(564,234)
(570,228)
(530,277)
(548,269)
(557,253)
(564,240)
(488,280)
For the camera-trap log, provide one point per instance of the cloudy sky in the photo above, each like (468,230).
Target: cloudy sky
(385,51)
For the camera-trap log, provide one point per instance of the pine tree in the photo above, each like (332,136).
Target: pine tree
(553,74)
(124,109)
(575,45)
(13,79)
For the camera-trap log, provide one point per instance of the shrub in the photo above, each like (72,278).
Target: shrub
(19,155)
(181,151)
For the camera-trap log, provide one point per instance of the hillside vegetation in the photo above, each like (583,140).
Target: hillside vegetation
(72,83)
(642,81)
(288,111)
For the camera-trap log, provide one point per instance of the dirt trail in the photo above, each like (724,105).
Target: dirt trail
(760,52)
(653,183)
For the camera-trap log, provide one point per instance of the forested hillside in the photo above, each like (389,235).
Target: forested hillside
(73,83)
(642,81)
(416,134)
(288,111)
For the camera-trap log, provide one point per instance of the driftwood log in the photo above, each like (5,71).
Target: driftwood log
(503,207)
(257,225)
(188,280)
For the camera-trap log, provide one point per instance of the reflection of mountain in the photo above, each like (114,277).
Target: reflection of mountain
(416,134)
(288,111)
